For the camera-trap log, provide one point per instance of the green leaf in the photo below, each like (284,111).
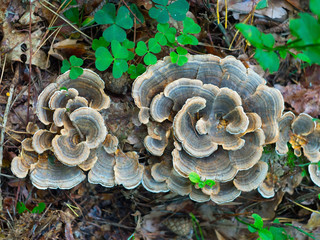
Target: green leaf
(119,67)
(182,60)
(150,59)
(141,48)
(267,60)
(65,66)
(154,47)
(88,21)
(278,233)
(194,177)
(303,57)
(76,62)
(21,207)
(283,53)
(123,18)
(106,15)
(136,71)
(265,234)
(39,208)
(159,13)
(210,183)
(252,229)
(251,33)
(201,184)
(114,32)
(262,4)
(161,38)
(128,44)
(163,27)
(189,26)
(101,42)
(267,40)
(315,6)
(306,28)
(137,12)
(185,39)
(73,15)
(181,51)
(258,222)
(178,9)
(161,2)
(75,72)
(174,59)
(103,58)
(118,51)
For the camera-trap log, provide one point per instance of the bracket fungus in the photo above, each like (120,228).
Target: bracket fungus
(214,116)
(302,133)
(57,155)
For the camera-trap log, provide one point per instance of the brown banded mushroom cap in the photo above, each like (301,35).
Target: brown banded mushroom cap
(178,184)
(127,170)
(161,171)
(42,140)
(228,192)
(195,144)
(19,168)
(59,117)
(157,140)
(44,113)
(27,144)
(32,128)
(89,85)
(69,149)
(303,125)
(266,188)
(102,172)
(198,196)
(216,166)
(250,179)
(110,143)
(60,98)
(55,175)
(91,124)
(285,130)
(314,173)
(75,103)
(90,161)
(151,184)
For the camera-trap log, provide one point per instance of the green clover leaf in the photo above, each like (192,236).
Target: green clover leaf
(177,9)
(75,72)
(103,58)
(267,59)
(107,15)
(65,66)
(189,27)
(165,34)
(141,48)
(179,57)
(75,62)
(136,71)
(153,47)
(101,42)
(194,177)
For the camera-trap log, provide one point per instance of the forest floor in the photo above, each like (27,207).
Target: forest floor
(94,212)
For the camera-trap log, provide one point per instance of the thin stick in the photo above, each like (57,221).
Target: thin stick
(30,62)
(4,64)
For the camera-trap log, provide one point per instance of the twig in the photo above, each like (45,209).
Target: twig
(4,123)
(30,61)
(4,64)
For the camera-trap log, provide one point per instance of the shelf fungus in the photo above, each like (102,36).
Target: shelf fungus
(214,116)
(57,156)
(303,133)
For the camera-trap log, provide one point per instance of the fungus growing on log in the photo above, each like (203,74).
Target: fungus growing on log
(214,116)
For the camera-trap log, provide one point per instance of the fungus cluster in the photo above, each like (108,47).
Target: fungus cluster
(302,133)
(213,117)
(57,154)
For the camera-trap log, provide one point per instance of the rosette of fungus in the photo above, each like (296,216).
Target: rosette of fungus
(217,113)
(303,134)
(70,108)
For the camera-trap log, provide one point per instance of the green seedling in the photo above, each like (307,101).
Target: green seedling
(21,207)
(119,22)
(177,10)
(136,71)
(153,47)
(74,65)
(196,227)
(179,56)
(195,179)
(118,57)
(189,27)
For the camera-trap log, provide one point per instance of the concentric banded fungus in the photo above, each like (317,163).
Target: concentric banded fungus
(76,129)
(301,132)
(220,113)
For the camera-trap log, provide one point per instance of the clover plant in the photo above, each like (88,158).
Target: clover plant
(21,207)
(74,65)
(177,9)
(189,27)
(153,47)
(118,22)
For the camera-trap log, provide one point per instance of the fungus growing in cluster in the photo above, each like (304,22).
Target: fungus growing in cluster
(57,155)
(303,134)
(214,116)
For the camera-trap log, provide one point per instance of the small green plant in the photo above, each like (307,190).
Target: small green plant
(21,207)
(196,227)
(177,9)
(195,179)
(74,65)
(119,22)
(189,27)
(271,233)
(306,31)
(153,47)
